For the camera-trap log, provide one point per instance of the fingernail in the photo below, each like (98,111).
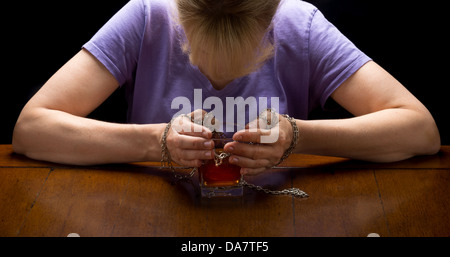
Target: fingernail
(234,160)
(208,154)
(208,144)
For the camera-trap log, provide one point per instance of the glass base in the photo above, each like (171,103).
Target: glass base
(210,192)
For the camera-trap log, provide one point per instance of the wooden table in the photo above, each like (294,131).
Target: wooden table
(347,198)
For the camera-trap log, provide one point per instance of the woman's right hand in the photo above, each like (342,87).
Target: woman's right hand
(188,143)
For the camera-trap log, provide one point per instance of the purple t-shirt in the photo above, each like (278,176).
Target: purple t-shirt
(141,47)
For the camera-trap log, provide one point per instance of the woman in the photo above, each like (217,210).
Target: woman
(167,51)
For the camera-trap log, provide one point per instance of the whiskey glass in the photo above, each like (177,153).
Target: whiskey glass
(218,177)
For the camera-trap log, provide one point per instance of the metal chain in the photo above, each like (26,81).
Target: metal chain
(295,137)
(288,191)
(218,158)
(166,161)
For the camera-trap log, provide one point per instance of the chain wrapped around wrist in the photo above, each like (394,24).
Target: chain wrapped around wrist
(295,137)
(166,159)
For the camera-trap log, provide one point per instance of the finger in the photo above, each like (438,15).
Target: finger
(253,125)
(184,126)
(198,131)
(245,162)
(195,155)
(266,120)
(191,142)
(252,151)
(252,136)
(263,136)
(197,116)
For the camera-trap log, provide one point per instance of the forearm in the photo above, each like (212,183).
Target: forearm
(383,136)
(56,136)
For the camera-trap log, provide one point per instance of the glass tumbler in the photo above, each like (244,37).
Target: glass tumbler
(219,178)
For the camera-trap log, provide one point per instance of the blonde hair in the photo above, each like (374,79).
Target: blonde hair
(228,38)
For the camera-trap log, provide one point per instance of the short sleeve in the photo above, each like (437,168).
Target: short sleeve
(333,58)
(116,45)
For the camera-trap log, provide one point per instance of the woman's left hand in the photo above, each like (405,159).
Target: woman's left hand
(261,148)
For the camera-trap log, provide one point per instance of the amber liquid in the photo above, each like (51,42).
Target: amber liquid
(223,175)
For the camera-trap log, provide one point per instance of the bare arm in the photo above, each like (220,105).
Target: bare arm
(53,127)
(390,125)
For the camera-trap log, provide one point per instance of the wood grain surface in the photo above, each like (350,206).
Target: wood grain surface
(347,198)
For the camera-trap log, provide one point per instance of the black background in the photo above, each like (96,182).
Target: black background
(407,38)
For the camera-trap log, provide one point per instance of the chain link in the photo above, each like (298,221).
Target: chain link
(295,137)
(166,161)
(288,191)
(218,158)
